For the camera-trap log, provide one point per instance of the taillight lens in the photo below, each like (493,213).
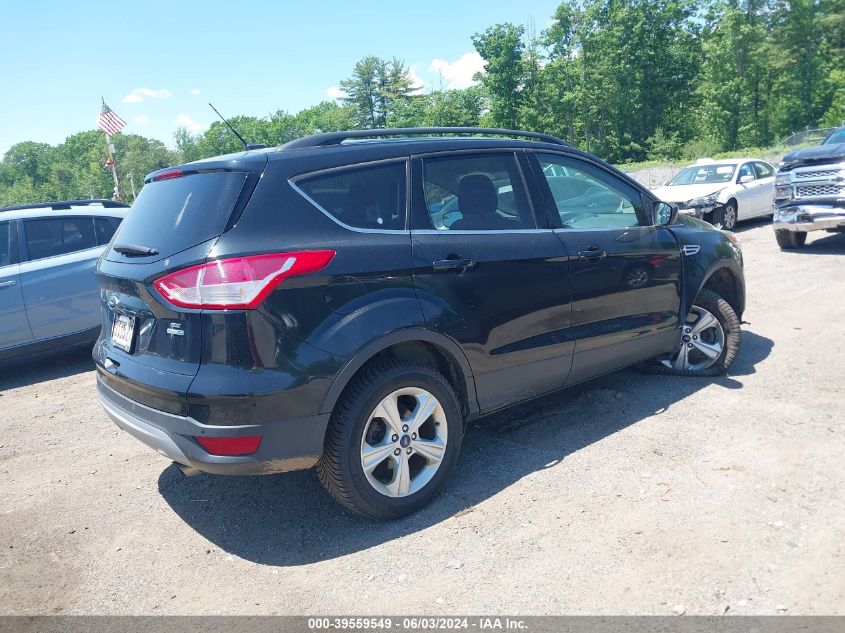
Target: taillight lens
(230,445)
(239,282)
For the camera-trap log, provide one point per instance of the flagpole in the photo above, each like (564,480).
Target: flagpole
(109,147)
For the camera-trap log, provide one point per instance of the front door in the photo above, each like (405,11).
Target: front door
(488,276)
(625,271)
(14,328)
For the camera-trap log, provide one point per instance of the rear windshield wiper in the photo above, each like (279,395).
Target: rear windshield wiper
(130,250)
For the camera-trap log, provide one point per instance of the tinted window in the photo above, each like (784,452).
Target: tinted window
(363,197)
(763,170)
(59,236)
(175,214)
(745,170)
(590,198)
(837,136)
(5,245)
(476,192)
(106,228)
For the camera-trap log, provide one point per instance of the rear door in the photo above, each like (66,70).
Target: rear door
(489,276)
(14,328)
(57,275)
(765,190)
(625,272)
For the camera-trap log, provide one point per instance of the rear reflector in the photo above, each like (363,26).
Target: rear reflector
(230,445)
(237,283)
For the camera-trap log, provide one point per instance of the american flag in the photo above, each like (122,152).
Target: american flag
(108,121)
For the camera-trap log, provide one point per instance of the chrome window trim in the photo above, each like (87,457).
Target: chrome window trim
(476,232)
(293,180)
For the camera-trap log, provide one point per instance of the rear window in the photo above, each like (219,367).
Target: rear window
(363,197)
(48,238)
(175,214)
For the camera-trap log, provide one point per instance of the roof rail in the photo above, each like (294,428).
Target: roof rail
(336,138)
(67,204)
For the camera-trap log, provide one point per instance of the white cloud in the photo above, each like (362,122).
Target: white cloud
(459,74)
(141,119)
(139,94)
(417,82)
(335,93)
(183,120)
(195,91)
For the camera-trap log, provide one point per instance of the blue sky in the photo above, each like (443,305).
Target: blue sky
(159,63)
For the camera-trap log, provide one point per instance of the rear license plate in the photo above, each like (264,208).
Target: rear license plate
(121,332)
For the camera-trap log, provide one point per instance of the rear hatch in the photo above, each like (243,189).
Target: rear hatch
(148,349)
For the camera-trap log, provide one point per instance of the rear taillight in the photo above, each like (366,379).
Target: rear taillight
(239,282)
(230,445)
(167,175)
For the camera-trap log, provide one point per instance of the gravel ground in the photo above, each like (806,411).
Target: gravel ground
(633,494)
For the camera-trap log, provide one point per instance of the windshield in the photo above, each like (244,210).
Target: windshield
(704,175)
(835,137)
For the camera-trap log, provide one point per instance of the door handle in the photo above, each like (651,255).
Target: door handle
(592,252)
(451,263)
(7,283)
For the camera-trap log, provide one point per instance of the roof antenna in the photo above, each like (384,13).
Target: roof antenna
(247,146)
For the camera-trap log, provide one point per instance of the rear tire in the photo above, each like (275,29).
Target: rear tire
(370,462)
(789,240)
(724,336)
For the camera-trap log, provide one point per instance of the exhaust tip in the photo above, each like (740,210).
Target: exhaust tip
(188,471)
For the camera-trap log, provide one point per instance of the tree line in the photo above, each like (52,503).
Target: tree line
(628,80)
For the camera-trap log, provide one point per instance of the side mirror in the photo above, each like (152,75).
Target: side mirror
(745,179)
(665,213)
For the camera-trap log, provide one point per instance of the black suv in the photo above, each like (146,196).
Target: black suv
(349,301)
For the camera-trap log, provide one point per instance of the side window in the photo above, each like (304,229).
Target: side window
(763,170)
(745,170)
(587,197)
(476,192)
(105,229)
(5,245)
(59,236)
(370,197)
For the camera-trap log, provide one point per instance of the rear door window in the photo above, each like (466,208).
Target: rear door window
(763,170)
(178,213)
(368,197)
(476,192)
(58,236)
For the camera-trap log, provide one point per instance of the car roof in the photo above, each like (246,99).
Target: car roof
(67,208)
(726,161)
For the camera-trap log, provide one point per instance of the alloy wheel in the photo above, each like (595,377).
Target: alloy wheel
(702,342)
(404,442)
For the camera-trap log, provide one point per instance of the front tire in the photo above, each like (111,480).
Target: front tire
(726,217)
(789,240)
(392,441)
(709,340)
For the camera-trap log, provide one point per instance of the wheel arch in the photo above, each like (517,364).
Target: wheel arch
(726,280)
(414,344)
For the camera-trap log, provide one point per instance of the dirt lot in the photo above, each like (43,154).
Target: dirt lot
(634,494)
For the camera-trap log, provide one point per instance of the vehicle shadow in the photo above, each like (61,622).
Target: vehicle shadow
(748,225)
(31,369)
(289,520)
(830,245)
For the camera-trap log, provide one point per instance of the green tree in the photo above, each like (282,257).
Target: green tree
(504,75)
(374,90)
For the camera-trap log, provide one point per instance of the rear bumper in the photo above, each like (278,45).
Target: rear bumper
(806,218)
(288,444)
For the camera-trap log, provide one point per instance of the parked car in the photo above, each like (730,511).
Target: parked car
(810,192)
(722,192)
(48,291)
(312,305)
